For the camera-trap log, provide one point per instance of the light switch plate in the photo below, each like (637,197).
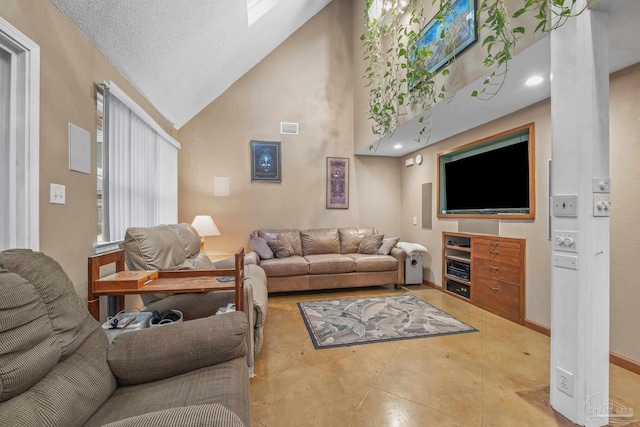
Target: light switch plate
(601,205)
(565,205)
(601,185)
(57,194)
(565,241)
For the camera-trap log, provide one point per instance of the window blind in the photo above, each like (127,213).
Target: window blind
(141,172)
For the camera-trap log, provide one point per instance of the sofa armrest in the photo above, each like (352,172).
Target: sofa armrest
(165,351)
(208,415)
(401,256)
(252,257)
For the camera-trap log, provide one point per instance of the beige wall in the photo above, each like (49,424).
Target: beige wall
(535,231)
(625,232)
(70,65)
(625,199)
(309,79)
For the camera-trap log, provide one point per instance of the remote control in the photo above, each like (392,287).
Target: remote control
(226,279)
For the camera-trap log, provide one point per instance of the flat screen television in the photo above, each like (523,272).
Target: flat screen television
(488,179)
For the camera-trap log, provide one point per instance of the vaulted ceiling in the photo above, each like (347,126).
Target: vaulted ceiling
(182,54)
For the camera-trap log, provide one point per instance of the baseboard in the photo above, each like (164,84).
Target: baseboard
(544,330)
(431,284)
(616,359)
(623,362)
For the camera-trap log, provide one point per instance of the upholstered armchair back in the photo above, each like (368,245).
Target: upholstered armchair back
(52,351)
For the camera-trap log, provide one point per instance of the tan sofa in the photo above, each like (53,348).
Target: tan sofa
(327,258)
(177,247)
(58,369)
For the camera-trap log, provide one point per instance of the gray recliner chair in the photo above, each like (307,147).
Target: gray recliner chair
(58,369)
(177,247)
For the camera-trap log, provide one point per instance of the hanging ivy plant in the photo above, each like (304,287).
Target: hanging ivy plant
(396,76)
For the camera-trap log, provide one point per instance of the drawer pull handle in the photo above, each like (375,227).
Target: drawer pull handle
(494,252)
(494,268)
(494,243)
(494,289)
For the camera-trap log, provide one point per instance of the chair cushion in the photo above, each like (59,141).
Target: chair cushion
(330,263)
(189,237)
(51,350)
(292,266)
(153,248)
(320,241)
(350,238)
(374,262)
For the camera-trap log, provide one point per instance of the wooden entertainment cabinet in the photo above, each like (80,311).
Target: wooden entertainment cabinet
(487,271)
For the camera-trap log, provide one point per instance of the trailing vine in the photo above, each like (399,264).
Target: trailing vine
(397,77)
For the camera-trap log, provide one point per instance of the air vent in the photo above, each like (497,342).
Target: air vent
(287,128)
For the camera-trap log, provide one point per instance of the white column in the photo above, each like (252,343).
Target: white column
(580,152)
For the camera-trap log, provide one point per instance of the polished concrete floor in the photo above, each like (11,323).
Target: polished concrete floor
(498,376)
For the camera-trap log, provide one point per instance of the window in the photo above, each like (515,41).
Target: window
(19,139)
(137,184)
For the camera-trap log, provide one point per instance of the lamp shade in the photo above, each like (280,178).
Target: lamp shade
(205,226)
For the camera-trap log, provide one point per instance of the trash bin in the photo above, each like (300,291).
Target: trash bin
(413,269)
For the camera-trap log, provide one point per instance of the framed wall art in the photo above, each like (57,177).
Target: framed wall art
(337,183)
(266,165)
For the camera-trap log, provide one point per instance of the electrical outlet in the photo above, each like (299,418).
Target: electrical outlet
(565,241)
(564,381)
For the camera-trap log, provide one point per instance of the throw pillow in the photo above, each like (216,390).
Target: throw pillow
(370,244)
(387,245)
(260,246)
(281,247)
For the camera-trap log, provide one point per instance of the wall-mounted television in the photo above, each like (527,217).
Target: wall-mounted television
(491,178)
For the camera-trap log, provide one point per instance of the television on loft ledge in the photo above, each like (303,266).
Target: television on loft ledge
(490,178)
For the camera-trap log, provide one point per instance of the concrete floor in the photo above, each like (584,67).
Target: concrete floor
(498,376)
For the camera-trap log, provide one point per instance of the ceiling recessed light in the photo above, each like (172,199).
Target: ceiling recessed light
(534,80)
(397,146)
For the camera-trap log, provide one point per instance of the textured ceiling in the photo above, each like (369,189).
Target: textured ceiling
(182,54)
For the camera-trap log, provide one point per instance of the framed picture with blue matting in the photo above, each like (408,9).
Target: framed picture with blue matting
(266,165)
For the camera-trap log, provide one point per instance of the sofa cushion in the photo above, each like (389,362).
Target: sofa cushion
(330,263)
(153,248)
(279,267)
(350,238)
(189,237)
(281,247)
(387,245)
(320,241)
(209,415)
(370,244)
(260,246)
(374,262)
(292,235)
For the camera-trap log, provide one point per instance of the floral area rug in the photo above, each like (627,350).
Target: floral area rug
(348,322)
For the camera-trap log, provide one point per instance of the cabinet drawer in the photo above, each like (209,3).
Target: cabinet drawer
(497,270)
(497,296)
(497,254)
(496,243)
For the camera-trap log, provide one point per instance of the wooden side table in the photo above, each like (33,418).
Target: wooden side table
(182,281)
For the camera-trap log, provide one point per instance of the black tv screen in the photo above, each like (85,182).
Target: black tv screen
(495,181)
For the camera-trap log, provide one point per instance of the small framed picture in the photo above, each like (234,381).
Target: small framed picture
(265,161)
(337,183)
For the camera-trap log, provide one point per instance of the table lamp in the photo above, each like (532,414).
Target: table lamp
(205,226)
